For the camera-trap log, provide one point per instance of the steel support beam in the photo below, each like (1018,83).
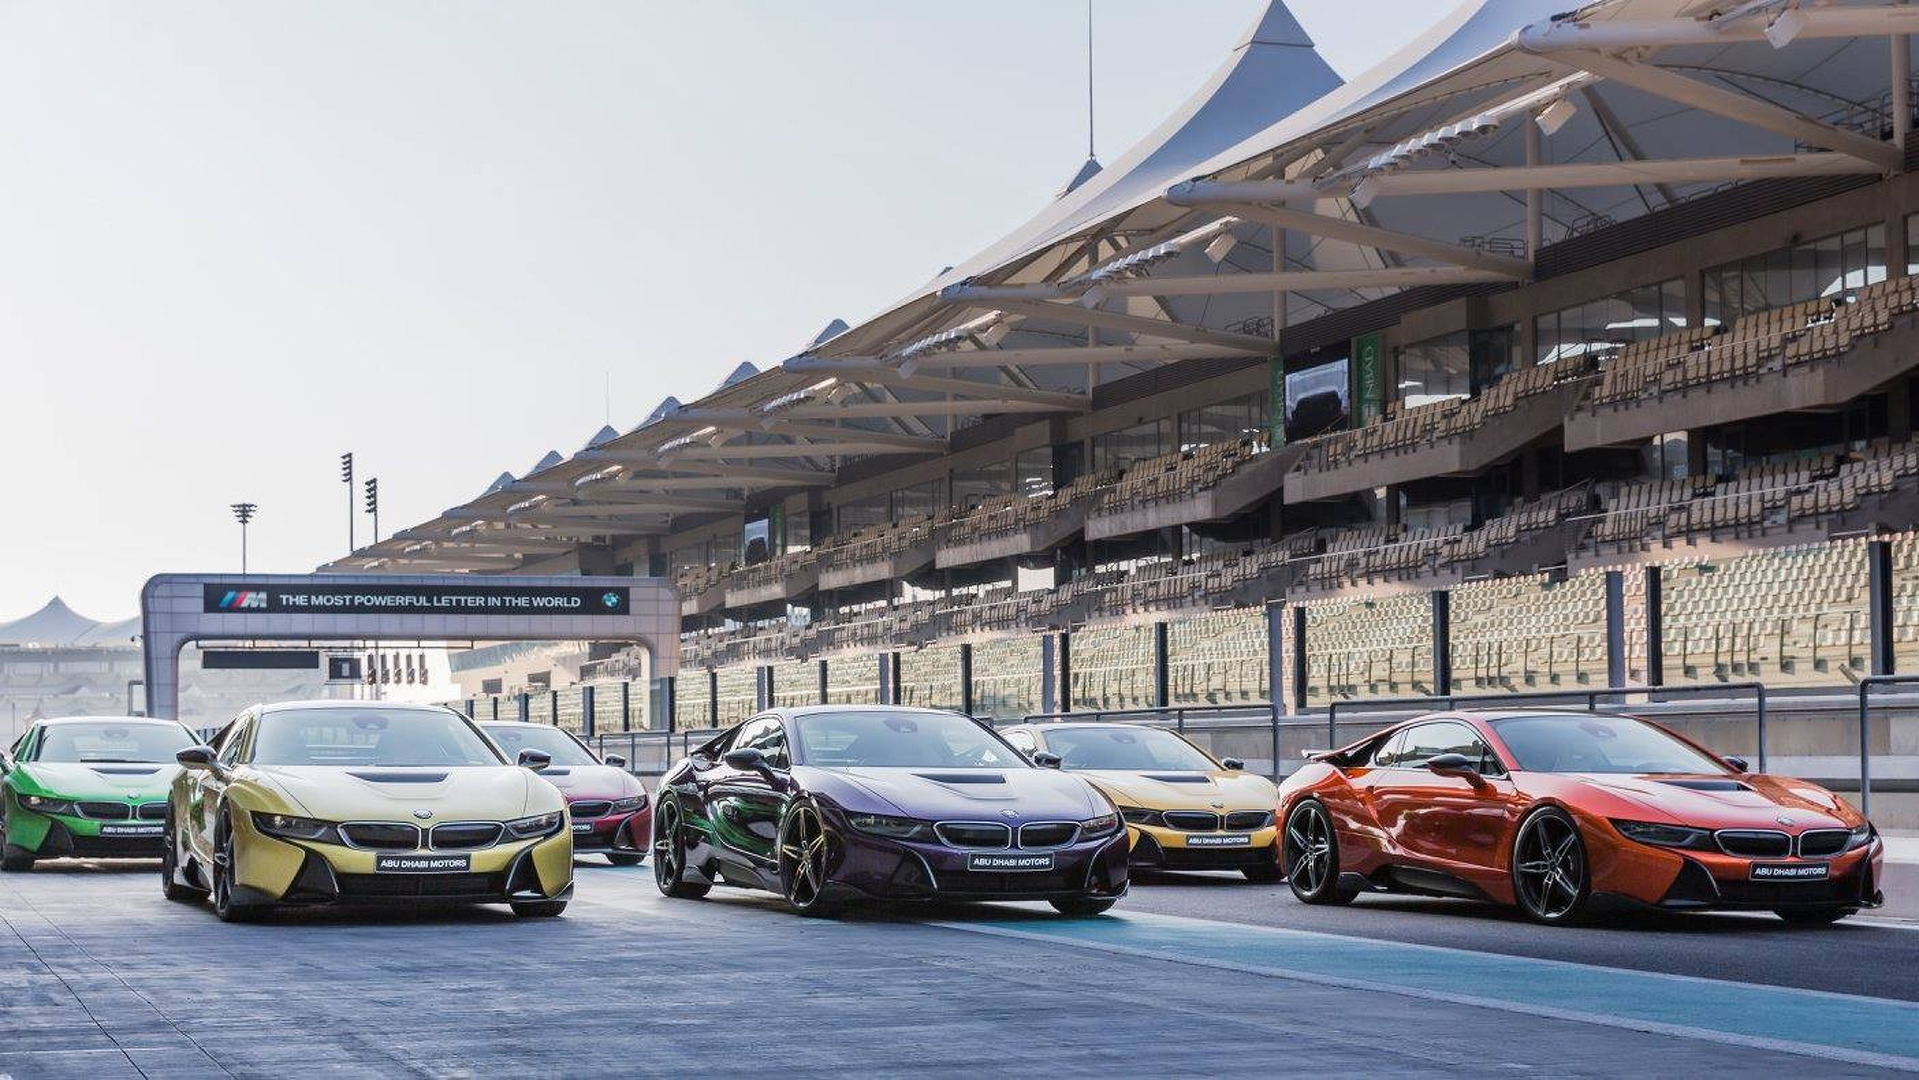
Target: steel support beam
(1819,22)
(1138,325)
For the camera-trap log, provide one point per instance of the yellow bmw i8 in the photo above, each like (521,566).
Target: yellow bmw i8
(363,803)
(1184,809)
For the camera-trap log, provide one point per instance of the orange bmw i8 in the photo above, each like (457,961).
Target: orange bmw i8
(1559,813)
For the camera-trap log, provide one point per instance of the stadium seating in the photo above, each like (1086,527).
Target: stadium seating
(1178,475)
(1218,658)
(1369,648)
(1529,633)
(1791,616)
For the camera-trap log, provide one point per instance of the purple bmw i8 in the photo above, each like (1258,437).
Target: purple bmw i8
(836,803)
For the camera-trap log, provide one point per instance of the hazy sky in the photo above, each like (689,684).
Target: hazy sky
(237,239)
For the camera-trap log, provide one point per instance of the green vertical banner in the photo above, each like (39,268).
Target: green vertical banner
(776,529)
(1369,386)
(1276,400)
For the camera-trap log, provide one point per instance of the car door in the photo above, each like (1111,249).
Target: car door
(743,806)
(1449,822)
(206,786)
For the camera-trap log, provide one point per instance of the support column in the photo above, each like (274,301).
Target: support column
(893,675)
(526,707)
(552,707)
(1535,198)
(1162,661)
(1442,642)
(589,723)
(1276,657)
(713,697)
(1299,659)
(1901,89)
(1879,593)
(1655,630)
(1065,671)
(763,687)
(670,708)
(966,677)
(822,665)
(1615,628)
(1048,684)
(886,680)
(626,705)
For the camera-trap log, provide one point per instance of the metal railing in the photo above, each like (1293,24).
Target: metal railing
(1866,686)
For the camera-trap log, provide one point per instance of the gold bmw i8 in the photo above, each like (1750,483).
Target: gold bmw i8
(363,803)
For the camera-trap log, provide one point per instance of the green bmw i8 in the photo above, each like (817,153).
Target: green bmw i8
(88,787)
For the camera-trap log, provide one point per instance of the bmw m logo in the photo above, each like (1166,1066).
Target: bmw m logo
(248,600)
(610,601)
(422,814)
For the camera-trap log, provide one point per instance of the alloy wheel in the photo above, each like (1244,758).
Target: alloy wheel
(667,856)
(1549,867)
(1309,849)
(803,856)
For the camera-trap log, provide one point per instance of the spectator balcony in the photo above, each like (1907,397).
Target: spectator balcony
(1441,439)
(783,578)
(1207,483)
(1010,525)
(888,552)
(1772,362)
(702,589)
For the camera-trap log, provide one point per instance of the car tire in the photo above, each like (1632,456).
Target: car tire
(1083,907)
(539,909)
(1815,916)
(805,853)
(226,907)
(1309,850)
(1552,880)
(624,858)
(170,886)
(16,858)
(669,857)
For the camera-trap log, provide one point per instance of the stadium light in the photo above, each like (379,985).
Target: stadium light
(373,504)
(1222,246)
(1364,192)
(1786,27)
(243,512)
(995,334)
(1554,116)
(346,477)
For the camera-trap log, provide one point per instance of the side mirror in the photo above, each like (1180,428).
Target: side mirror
(6,762)
(615,760)
(1233,763)
(1045,760)
(534,759)
(196,757)
(745,759)
(1737,763)
(1452,765)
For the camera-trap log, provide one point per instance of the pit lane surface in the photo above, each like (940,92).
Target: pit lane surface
(99,977)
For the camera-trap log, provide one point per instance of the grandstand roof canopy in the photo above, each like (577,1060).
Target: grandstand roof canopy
(1508,126)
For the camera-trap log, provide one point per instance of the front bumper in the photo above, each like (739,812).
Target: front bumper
(1160,848)
(54,836)
(881,868)
(630,834)
(274,870)
(1684,879)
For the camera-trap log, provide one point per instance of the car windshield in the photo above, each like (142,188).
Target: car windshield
(1125,748)
(902,740)
(558,745)
(111,740)
(372,736)
(1598,744)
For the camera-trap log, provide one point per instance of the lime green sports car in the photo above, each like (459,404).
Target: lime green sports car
(89,787)
(358,802)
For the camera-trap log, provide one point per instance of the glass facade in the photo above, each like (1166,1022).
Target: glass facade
(982,482)
(1437,369)
(1033,471)
(1223,421)
(925,499)
(1601,327)
(1829,266)
(1130,446)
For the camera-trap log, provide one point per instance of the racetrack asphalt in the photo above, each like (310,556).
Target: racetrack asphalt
(100,977)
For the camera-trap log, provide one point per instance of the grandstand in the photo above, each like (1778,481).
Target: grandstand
(1559,350)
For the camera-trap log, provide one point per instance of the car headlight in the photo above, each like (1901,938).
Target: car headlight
(1861,836)
(629,806)
(44,805)
(1099,826)
(899,828)
(529,828)
(1136,815)
(1652,832)
(289,827)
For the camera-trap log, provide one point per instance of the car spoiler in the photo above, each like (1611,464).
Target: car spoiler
(1317,755)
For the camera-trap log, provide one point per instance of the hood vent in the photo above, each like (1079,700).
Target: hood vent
(1709,785)
(399,777)
(552,771)
(125,770)
(963,778)
(1179,778)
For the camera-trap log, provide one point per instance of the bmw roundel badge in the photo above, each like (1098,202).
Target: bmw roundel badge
(422,814)
(610,601)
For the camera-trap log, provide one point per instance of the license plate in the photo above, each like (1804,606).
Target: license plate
(421,864)
(1194,840)
(1791,871)
(1008,862)
(132,830)
(582,826)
